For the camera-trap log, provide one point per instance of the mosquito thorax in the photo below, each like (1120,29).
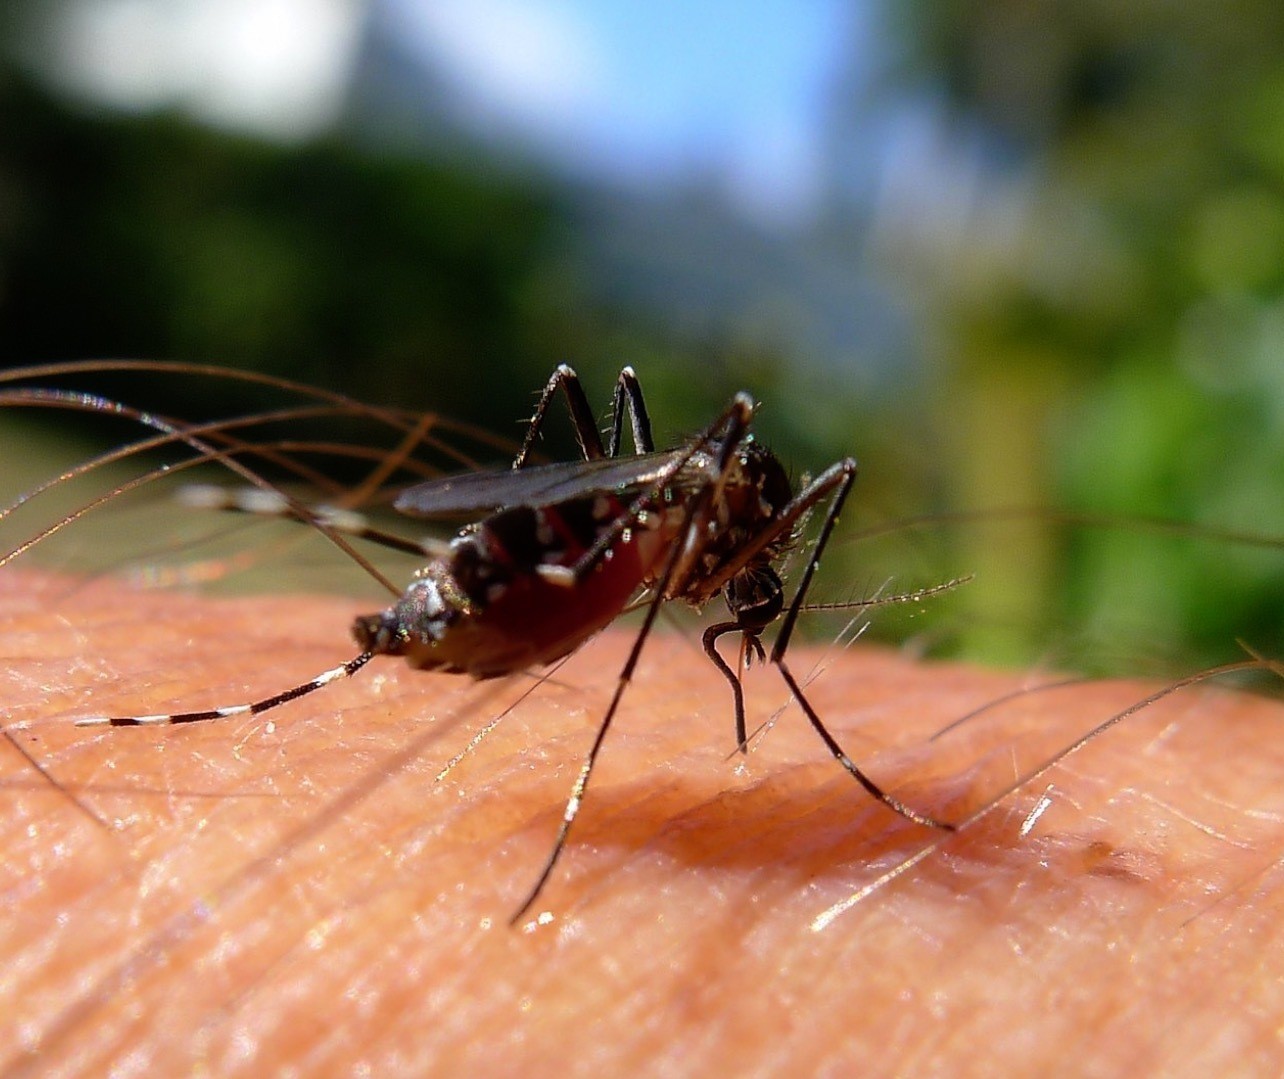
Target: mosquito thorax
(757,489)
(754,491)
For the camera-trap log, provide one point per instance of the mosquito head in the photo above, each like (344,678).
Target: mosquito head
(755,597)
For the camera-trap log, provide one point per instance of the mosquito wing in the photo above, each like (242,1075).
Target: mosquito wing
(475,493)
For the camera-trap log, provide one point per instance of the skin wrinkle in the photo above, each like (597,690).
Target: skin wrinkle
(1114,922)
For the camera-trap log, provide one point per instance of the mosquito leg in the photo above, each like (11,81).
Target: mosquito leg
(726,433)
(842,758)
(574,802)
(628,397)
(255,503)
(254,708)
(699,507)
(839,478)
(842,475)
(582,418)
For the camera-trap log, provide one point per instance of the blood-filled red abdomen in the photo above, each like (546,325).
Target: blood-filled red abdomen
(490,606)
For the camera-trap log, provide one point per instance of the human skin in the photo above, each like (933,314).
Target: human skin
(305,889)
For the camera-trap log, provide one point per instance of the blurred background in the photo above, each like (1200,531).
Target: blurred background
(1006,254)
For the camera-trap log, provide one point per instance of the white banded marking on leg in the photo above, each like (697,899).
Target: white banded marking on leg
(258,503)
(335,674)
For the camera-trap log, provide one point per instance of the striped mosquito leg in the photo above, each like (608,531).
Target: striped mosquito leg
(335,674)
(260,503)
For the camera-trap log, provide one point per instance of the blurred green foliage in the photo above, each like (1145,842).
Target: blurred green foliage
(1108,293)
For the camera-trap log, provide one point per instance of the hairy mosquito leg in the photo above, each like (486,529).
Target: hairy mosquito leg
(695,516)
(257,503)
(254,708)
(582,418)
(574,802)
(577,792)
(839,755)
(586,769)
(628,396)
(751,643)
(839,478)
(728,431)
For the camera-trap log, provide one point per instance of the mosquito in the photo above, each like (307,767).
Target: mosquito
(559,551)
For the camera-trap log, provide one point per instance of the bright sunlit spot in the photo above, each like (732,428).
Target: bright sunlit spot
(280,67)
